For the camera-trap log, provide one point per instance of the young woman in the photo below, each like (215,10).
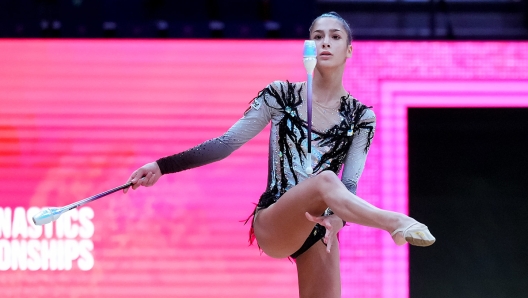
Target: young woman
(297,210)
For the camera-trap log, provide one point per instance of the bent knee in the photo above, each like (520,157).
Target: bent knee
(327,181)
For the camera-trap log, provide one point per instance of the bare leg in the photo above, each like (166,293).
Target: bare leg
(282,228)
(318,272)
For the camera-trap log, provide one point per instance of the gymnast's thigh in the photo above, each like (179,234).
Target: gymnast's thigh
(282,228)
(318,272)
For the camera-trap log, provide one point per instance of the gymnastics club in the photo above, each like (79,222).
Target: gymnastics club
(310,59)
(53,213)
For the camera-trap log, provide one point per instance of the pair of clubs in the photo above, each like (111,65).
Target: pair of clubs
(309,58)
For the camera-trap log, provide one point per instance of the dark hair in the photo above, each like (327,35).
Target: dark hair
(335,15)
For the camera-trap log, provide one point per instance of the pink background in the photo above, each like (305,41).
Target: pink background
(78,116)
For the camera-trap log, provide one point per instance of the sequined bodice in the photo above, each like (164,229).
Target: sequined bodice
(341,135)
(332,133)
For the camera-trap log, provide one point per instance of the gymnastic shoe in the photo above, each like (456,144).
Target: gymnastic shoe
(416,234)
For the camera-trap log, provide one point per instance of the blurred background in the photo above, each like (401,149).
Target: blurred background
(259,19)
(467,165)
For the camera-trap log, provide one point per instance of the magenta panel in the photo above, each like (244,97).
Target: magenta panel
(77,116)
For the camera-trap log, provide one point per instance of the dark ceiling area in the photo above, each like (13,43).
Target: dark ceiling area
(263,19)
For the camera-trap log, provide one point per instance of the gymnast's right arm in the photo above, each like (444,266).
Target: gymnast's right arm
(253,122)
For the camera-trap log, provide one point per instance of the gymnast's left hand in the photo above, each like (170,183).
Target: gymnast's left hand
(332,223)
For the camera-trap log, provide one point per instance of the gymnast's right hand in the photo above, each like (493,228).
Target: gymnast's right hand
(147,176)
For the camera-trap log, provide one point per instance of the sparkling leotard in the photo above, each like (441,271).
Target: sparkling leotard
(340,135)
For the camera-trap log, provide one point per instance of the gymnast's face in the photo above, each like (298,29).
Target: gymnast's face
(331,39)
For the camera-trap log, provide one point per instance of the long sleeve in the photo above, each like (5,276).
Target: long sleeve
(253,122)
(357,154)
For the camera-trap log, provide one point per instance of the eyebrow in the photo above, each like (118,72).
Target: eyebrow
(331,30)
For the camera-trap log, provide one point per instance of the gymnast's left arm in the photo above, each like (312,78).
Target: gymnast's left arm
(354,165)
(358,151)
(357,154)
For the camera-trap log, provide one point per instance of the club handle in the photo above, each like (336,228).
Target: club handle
(95,197)
(309,169)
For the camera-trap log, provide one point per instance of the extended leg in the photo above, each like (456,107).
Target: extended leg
(282,228)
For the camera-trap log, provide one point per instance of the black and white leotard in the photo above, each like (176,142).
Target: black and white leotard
(341,135)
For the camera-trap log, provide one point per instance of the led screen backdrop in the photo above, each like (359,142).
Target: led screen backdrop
(78,116)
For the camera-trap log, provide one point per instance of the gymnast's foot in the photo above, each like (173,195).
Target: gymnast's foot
(416,234)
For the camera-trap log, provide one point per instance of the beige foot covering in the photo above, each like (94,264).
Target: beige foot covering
(416,234)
